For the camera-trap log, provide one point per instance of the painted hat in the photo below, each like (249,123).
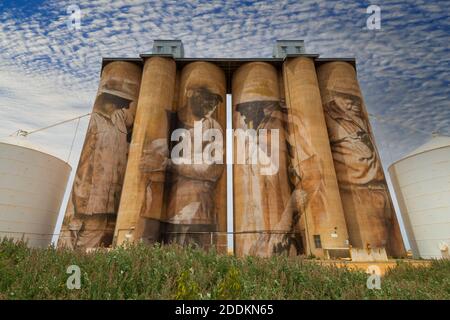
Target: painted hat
(203,76)
(121,79)
(255,81)
(337,78)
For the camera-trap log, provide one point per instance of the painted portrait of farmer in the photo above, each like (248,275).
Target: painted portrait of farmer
(93,206)
(361,179)
(191,215)
(265,220)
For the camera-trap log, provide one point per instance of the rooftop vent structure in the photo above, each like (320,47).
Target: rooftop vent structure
(173,47)
(283,48)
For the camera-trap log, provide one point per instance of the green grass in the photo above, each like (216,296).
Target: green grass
(172,272)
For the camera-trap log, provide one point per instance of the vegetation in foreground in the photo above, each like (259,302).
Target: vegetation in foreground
(172,272)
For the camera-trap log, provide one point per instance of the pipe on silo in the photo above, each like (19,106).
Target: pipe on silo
(263,219)
(142,204)
(370,217)
(220,199)
(196,197)
(94,202)
(314,177)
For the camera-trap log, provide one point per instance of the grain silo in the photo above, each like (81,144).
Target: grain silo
(307,178)
(312,161)
(32,186)
(141,207)
(370,217)
(262,223)
(422,184)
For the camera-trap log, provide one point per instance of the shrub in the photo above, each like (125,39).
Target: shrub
(173,272)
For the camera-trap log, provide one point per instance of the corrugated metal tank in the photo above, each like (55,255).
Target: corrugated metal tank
(422,184)
(32,186)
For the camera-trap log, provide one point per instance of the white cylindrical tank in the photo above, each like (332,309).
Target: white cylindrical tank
(32,186)
(421,182)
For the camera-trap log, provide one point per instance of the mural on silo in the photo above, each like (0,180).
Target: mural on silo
(369,213)
(142,204)
(306,174)
(197,161)
(272,210)
(322,223)
(264,214)
(94,202)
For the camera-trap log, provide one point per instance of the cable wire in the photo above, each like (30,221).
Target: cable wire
(73,140)
(27,133)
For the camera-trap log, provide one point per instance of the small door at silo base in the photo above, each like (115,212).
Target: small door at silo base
(32,187)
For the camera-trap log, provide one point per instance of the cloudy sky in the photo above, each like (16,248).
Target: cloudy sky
(49,72)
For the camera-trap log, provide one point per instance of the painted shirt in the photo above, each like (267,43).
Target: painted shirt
(352,147)
(99,178)
(191,199)
(266,196)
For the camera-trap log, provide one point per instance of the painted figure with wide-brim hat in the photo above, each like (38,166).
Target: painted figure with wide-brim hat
(370,216)
(91,213)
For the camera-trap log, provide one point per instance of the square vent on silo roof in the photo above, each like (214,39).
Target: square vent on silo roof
(173,47)
(283,48)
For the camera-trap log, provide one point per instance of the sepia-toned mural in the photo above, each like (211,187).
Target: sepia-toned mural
(191,215)
(191,197)
(316,191)
(307,178)
(94,202)
(306,174)
(263,208)
(142,207)
(369,213)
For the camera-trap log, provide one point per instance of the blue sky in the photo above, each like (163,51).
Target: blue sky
(49,73)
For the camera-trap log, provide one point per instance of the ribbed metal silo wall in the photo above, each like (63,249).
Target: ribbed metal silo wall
(262,217)
(32,187)
(370,217)
(142,204)
(196,197)
(94,202)
(316,188)
(421,182)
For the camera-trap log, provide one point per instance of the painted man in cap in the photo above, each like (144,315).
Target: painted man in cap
(98,181)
